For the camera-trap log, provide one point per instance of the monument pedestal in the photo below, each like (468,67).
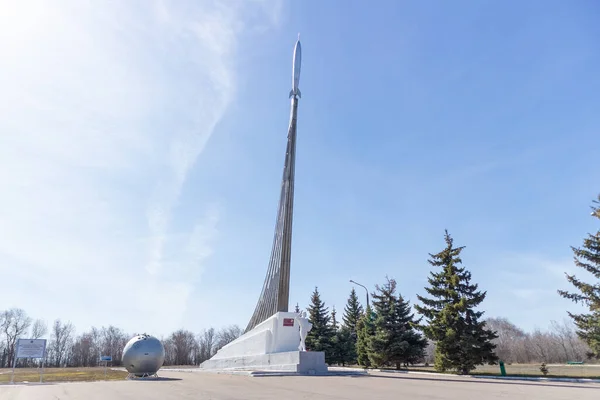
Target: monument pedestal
(271,346)
(301,362)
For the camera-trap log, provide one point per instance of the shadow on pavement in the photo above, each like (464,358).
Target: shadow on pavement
(492,382)
(160,378)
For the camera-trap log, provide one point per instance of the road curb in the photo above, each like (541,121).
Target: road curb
(508,378)
(538,379)
(361,372)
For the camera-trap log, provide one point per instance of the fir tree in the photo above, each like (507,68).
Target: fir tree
(346,346)
(395,340)
(336,351)
(321,335)
(352,312)
(462,338)
(334,323)
(412,345)
(365,329)
(587,258)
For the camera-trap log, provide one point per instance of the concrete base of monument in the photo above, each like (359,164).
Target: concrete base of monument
(271,346)
(277,334)
(295,362)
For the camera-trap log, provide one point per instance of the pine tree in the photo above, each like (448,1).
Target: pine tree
(462,338)
(395,340)
(321,335)
(365,329)
(587,258)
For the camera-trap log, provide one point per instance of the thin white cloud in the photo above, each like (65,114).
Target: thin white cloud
(105,108)
(532,277)
(533,296)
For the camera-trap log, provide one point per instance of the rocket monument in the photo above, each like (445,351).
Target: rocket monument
(275,293)
(274,337)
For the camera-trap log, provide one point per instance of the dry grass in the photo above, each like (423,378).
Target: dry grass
(554,370)
(62,374)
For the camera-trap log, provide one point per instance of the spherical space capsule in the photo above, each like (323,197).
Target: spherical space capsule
(143,355)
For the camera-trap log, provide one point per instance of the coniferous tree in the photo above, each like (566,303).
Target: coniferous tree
(587,258)
(320,337)
(395,340)
(417,343)
(365,329)
(462,338)
(336,351)
(352,312)
(348,334)
(346,345)
(334,323)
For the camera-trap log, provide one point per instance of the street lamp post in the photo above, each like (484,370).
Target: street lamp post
(366,290)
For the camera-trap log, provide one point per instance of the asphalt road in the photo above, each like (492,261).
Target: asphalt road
(198,385)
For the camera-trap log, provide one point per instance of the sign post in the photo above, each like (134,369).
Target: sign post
(106,360)
(12,377)
(29,348)
(43,362)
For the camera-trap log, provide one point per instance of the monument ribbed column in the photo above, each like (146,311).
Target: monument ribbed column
(275,294)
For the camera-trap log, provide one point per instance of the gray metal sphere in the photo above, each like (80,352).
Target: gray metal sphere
(143,355)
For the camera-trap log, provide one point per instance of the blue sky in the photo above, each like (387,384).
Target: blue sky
(142,146)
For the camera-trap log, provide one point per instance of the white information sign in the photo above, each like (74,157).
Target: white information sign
(31,348)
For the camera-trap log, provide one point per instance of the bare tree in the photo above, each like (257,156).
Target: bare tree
(169,351)
(430,352)
(39,329)
(209,342)
(113,341)
(557,345)
(184,344)
(3,349)
(61,342)
(83,352)
(573,347)
(96,339)
(206,345)
(521,350)
(15,323)
(559,336)
(542,346)
(509,335)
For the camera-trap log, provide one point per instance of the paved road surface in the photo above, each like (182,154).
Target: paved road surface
(197,385)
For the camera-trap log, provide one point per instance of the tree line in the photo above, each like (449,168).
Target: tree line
(66,349)
(557,344)
(450,331)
